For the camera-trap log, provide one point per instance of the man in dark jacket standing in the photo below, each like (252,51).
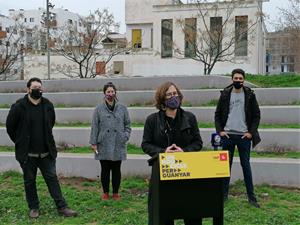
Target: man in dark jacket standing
(29,125)
(236,119)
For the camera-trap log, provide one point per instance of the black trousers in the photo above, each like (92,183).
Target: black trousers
(115,168)
(47,167)
(243,146)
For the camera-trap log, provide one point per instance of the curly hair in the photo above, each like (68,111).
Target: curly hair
(160,95)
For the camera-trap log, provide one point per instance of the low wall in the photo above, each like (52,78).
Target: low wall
(265,96)
(269,114)
(283,172)
(272,139)
(125,83)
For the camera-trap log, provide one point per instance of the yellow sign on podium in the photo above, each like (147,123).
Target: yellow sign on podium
(194,165)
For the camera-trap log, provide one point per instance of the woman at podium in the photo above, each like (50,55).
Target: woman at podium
(170,130)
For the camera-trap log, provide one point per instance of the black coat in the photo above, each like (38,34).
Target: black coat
(252,112)
(155,137)
(18,127)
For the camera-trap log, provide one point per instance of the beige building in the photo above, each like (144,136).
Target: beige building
(152,30)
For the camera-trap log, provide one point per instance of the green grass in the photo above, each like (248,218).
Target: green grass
(200,125)
(132,149)
(4,106)
(279,206)
(268,81)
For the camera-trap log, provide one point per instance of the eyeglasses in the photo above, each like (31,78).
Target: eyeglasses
(171,94)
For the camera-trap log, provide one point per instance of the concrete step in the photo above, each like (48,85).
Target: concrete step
(265,96)
(126,83)
(272,139)
(269,114)
(283,172)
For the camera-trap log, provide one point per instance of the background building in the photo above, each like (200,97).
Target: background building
(152,30)
(283,52)
(35,26)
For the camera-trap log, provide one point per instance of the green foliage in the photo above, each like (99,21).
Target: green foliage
(278,205)
(267,81)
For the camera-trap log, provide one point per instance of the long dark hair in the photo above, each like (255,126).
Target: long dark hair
(107,85)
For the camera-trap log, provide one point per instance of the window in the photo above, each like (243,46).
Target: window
(100,67)
(15,31)
(7,29)
(166,38)
(216,35)
(70,21)
(241,35)
(118,67)
(136,38)
(190,34)
(31,19)
(0,28)
(287,63)
(7,43)
(25,20)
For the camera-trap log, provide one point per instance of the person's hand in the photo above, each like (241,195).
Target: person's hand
(94,148)
(177,148)
(224,134)
(247,135)
(170,149)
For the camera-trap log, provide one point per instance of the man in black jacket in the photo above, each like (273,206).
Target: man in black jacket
(29,125)
(236,119)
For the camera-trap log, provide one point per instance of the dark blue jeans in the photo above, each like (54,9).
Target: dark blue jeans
(48,170)
(243,146)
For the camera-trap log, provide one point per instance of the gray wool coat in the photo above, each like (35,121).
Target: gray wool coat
(110,130)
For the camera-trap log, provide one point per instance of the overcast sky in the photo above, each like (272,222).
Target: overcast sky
(117,7)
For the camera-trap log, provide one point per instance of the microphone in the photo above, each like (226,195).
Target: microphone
(216,141)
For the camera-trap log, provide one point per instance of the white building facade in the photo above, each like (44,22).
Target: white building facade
(34,22)
(151,56)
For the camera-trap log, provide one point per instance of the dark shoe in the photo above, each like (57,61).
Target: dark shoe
(254,203)
(34,213)
(105,196)
(116,197)
(67,212)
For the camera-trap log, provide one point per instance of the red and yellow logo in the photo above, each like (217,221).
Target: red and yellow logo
(223,157)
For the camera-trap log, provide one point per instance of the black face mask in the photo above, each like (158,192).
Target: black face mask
(237,84)
(36,94)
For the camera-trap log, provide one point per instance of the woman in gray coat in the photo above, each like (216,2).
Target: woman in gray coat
(110,131)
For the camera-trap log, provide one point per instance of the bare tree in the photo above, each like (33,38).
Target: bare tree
(83,45)
(221,37)
(11,49)
(289,18)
